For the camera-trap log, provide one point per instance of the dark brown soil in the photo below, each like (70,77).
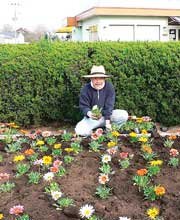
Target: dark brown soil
(82,179)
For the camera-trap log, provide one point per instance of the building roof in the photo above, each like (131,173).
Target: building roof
(114,11)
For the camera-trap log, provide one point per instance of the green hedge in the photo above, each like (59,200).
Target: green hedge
(41,82)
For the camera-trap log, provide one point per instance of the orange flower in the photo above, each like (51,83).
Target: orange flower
(29,152)
(23,131)
(159,190)
(172,137)
(54,169)
(141,172)
(147,149)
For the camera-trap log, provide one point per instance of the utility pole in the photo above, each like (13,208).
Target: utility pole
(15,18)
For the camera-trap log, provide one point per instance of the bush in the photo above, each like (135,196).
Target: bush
(41,82)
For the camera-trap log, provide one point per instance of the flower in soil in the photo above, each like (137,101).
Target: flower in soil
(146,149)
(38,162)
(144,131)
(99,132)
(133,137)
(106,158)
(156,162)
(152,212)
(124,218)
(112,150)
(54,169)
(46,133)
(172,137)
(94,136)
(48,176)
(68,149)
(40,143)
(111,144)
(173,152)
(103,178)
(86,211)
(124,155)
(4,176)
(143,139)
(19,158)
(141,172)
(29,152)
(1,216)
(57,146)
(16,210)
(56,195)
(159,190)
(47,160)
(57,163)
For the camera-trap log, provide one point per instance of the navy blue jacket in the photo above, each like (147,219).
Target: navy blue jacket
(104,98)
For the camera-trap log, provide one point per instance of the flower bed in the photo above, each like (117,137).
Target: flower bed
(109,176)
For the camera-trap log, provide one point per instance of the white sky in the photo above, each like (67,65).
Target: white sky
(50,13)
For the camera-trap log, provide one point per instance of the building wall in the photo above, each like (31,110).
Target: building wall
(125,28)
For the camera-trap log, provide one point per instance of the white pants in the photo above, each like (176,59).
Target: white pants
(86,125)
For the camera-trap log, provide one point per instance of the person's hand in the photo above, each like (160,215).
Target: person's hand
(108,125)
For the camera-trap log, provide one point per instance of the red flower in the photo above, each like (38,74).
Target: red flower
(123,155)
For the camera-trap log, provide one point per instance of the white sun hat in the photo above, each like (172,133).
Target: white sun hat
(97,71)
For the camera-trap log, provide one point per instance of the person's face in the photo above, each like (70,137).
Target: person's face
(98,82)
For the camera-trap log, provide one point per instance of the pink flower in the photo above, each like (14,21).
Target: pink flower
(99,132)
(94,136)
(57,163)
(16,210)
(4,176)
(46,133)
(32,136)
(112,150)
(173,152)
(123,155)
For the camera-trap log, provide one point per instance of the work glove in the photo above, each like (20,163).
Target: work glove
(108,125)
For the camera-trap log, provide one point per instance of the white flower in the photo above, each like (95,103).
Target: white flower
(94,107)
(106,158)
(86,211)
(48,176)
(103,178)
(124,218)
(56,195)
(38,162)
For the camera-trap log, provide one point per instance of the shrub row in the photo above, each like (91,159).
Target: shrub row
(41,82)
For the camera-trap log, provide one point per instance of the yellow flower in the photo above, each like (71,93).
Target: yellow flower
(47,160)
(57,146)
(144,131)
(40,143)
(139,120)
(111,144)
(132,134)
(68,149)
(115,133)
(153,212)
(19,158)
(1,216)
(156,162)
(143,139)
(159,190)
